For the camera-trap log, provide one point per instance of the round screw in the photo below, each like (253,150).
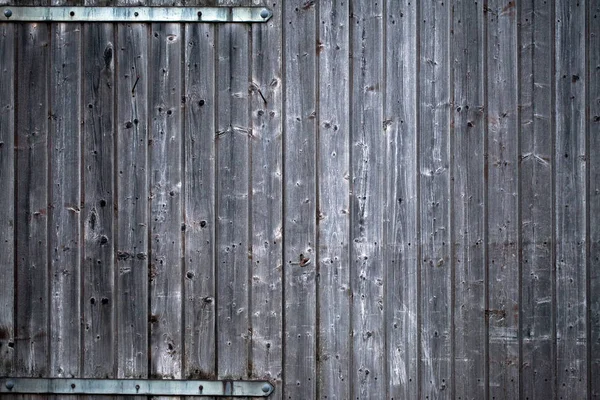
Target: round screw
(266,388)
(264,13)
(8,13)
(10,385)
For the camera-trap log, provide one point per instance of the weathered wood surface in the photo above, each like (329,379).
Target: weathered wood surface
(356,199)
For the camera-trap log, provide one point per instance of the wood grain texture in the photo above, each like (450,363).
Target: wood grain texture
(503,308)
(266,360)
(367,161)
(333,230)
(299,201)
(7,199)
(536,193)
(593,100)
(434,190)
(401,200)
(233,132)
(131,225)
(199,191)
(468,199)
(570,207)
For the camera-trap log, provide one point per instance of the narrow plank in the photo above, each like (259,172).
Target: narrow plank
(232,202)
(570,201)
(98,204)
(31,217)
(131,224)
(401,215)
(333,230)
(165,161)
(299,199)
(7,199)
(434,190)
(468,201)
(65,200)
(266,205)
(535,87)
(199,189)
(593,43)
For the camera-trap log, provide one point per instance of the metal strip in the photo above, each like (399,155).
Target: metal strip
(135,14)
(142,387)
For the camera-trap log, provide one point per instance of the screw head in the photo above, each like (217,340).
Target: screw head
(264,13)
(266,388)
(10,385)
(8,13)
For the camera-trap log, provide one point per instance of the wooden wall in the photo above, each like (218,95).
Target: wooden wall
(382,199)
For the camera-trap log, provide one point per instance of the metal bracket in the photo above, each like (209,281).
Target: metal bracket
(142,387)
(135,14)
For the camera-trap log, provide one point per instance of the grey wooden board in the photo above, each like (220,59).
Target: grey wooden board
(570,201)
(233,135)
(333,206)
(266,191)
(367,160)
(468,199)
(593,100)
(434,191)
(299,199)
(502,312)
(7,200)
(536,193)
(401,201)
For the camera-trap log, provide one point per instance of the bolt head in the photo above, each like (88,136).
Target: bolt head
(266,388)
(10,385)
(264,13)
(8,13)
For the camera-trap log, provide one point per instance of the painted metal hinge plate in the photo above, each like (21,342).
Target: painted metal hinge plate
(135,14)
(146,387)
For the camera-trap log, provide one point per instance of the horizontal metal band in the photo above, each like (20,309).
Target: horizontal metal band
(149,387)
(135,14)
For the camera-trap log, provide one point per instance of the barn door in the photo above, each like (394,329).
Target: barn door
(140,208)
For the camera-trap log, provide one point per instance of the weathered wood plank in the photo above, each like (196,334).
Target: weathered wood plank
(299,201)
(98,203)
(232,203)
(266,201)
(468,200)
(593,43)
(333,160)
(199,189)
(367,147)
(570,207)
(401,212)
(131,224)
(7,198)
(434,190)
(535,87)
(165,161)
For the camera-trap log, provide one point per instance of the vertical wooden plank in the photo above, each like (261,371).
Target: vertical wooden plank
(65,200)
(165,161)
(570,207)
(199,189)
(434,190)
(299,202)
(401,213)
(31,334)
(131,224)
(333,201)
(535,87)
(232,183)
(7,198)
(98,203)
(367,159)
(266,205)
(468,201)
(593,100)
